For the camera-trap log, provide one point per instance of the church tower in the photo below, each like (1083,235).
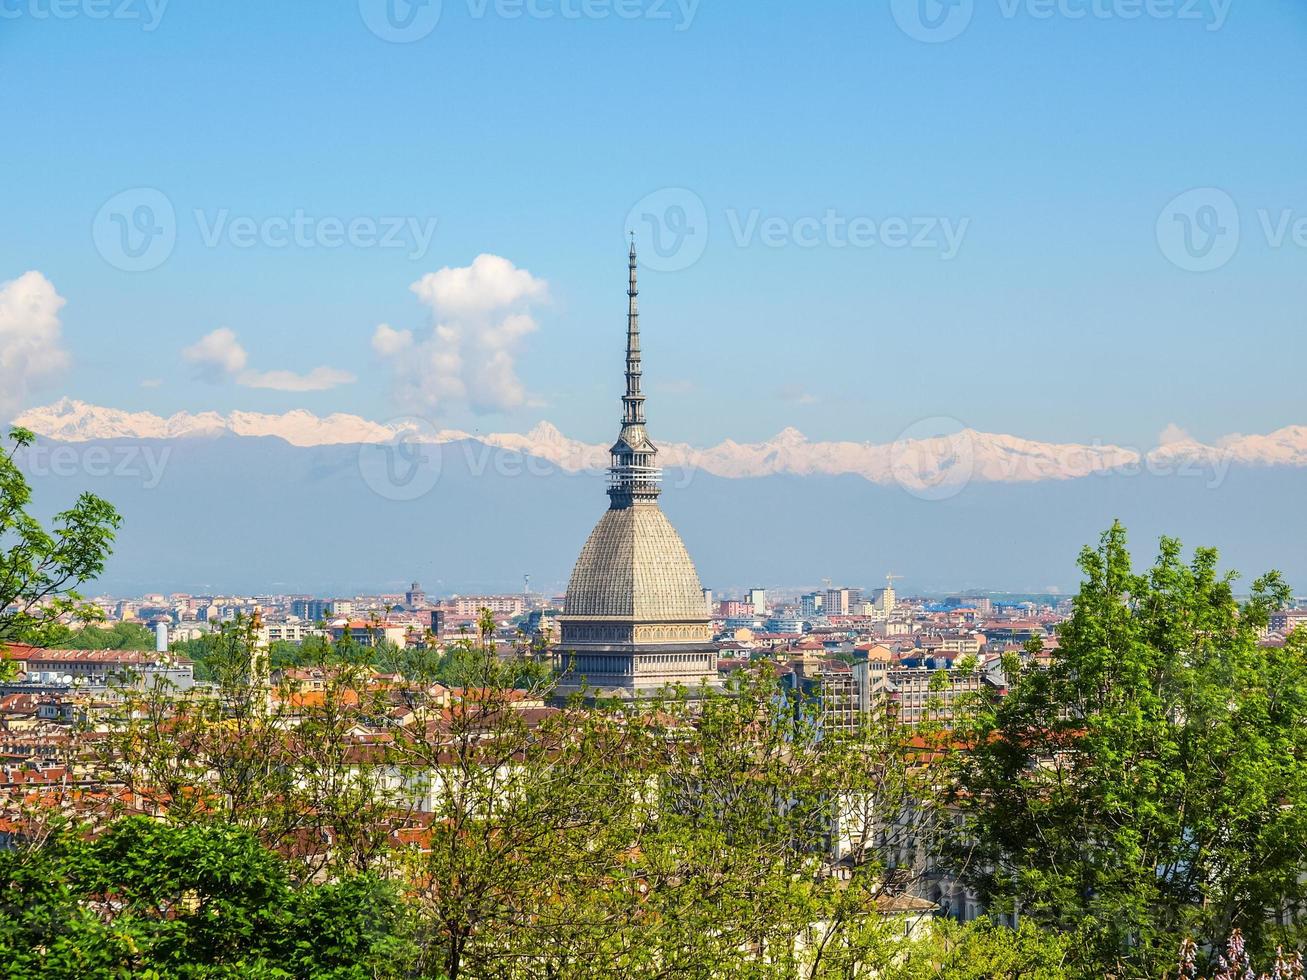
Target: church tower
(635,618)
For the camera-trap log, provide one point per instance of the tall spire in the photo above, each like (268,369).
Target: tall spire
(633,400)
(634,474)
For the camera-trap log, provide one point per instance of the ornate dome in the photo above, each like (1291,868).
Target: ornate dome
(635,567)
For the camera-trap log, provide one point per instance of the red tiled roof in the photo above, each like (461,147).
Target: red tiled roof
(18,703)
(20,651)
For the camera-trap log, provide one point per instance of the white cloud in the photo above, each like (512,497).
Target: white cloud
(489,284)
(319,379)
(30,341)
(152,383)
(388,341)
(219,356)
(481,313)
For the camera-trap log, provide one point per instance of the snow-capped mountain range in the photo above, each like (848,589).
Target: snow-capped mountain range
(252,502)
(928,461)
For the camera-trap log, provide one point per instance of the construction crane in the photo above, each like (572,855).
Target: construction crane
(890,579)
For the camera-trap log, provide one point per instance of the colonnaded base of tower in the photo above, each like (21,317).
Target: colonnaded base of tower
(614,671)
(651,681)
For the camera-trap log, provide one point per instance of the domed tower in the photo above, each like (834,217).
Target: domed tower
(635,618)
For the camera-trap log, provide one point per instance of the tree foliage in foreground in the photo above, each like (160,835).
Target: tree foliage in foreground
(1152,783)
(150,899)
(41,569)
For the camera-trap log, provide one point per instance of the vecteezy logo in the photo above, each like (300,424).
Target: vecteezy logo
(407,466)
(1199,230)
(135,230)
(933,459)
(671,226)
(400,21)
(932,21)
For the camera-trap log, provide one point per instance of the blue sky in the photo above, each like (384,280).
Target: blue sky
(1053,142)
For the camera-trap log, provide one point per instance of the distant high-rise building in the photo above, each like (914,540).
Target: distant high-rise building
(810,605)
(311,609)
(499,605)
(734,609)
(634,619)
(844,602)
(758,598)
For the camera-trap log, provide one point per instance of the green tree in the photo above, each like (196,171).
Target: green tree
(42,569)
(985,950)
(156,900)
(1152,783)
(118,636)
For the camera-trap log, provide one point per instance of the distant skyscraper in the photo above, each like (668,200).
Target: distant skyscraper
(635,619)
(836,602)
(758,597)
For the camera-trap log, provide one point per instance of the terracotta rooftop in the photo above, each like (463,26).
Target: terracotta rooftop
(19,651)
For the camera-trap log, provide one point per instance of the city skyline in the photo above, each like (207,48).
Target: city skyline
(905,580)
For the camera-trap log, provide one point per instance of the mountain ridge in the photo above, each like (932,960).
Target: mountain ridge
(933,463)
(252,515)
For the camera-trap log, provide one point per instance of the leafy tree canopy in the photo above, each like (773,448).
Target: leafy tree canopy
(153,899)
(116,636)
(1152,783)
(42,568)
